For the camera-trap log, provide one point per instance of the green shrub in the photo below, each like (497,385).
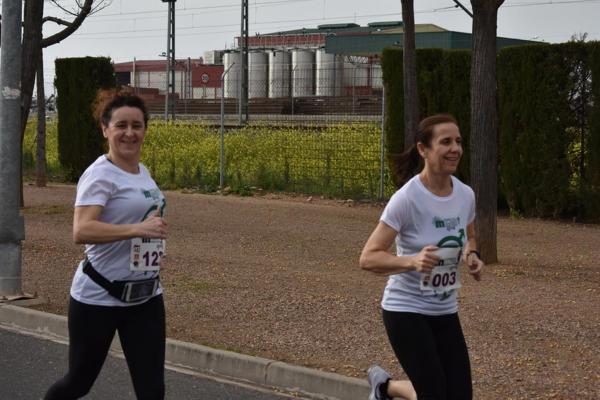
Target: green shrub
(77,83)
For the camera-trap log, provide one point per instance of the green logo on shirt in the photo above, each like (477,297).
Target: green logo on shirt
(153,194)
(448,223)
(160,206)
(453,241)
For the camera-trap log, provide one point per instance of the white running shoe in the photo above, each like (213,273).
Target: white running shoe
(377,376)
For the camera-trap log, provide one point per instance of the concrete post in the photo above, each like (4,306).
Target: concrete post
(12,227)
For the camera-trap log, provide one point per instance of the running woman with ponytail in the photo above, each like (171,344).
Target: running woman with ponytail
(431,219)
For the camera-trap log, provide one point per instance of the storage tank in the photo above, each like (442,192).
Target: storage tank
(213,57)
(356,74)
(258,66)
(279,74)
(328,74)
(376,76)
(303,62)
(231,86)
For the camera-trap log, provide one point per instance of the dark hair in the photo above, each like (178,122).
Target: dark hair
(409,163)
(110,100)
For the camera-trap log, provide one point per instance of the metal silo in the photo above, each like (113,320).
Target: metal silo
(376,76)
(303,62)
(279,73)
(328,74)
(258,66)
(231,85)
(356,74)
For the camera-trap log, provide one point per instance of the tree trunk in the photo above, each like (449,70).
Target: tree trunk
(484,125)
(32,43)
(411,95)
(40,163)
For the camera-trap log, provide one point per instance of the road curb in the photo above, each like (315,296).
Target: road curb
(260,371)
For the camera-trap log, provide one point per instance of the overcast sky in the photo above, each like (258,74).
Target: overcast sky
(138,28)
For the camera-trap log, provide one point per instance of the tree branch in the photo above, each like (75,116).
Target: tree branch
(101,6)
(56,20)
(67,11)
(86,8)
(72,27)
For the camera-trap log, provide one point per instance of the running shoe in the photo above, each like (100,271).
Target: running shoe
(377,377)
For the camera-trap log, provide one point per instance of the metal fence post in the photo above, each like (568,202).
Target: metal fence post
(382,154)
(222,147)
(354,68)
(292,81)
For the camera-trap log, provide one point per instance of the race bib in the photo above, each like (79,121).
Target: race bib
(146,254)
(445,276)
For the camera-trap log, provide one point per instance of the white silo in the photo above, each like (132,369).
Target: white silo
(232,79)
(328,74)
(279,73)
(376,76)
(356,74)
(258,66)
(303,62)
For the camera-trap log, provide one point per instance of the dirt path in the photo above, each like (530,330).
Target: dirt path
(278,277)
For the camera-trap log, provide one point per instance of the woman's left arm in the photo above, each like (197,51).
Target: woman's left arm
(474,263)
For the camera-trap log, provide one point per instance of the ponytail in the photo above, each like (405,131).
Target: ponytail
(406,164)
(409,163)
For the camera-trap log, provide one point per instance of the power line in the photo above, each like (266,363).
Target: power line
(427,11)
(267,23)
(221,6)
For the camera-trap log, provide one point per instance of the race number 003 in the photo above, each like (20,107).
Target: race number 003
(444,279)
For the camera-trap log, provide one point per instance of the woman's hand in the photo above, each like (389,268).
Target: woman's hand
(475,265)
(426,259)
(153,227)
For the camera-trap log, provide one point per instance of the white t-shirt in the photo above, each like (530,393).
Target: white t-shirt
(421,218)
(125,198)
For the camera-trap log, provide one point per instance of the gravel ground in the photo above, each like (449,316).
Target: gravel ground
(278,277)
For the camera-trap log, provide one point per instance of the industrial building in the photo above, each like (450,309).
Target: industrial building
(193,78)
(329,61)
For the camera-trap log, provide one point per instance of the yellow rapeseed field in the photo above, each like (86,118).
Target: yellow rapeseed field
(339,160)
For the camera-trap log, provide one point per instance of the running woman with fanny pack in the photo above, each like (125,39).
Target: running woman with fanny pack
(431,219)
(118,216)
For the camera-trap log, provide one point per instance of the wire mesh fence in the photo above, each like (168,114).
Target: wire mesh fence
(282,86)
(341,161)
(313,124)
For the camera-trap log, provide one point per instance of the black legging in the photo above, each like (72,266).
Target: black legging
(91,330)
(432,352)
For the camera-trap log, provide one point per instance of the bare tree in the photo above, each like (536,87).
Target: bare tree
(34,42)
(484,125)
(411,94)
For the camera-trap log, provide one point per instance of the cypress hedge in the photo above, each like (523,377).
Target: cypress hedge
(544,170)
(77,82)
(443,84)
(394,103)
(534,115)
(591,200)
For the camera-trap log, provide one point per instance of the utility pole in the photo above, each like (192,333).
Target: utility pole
(243,44)
(170,89)
(12,227)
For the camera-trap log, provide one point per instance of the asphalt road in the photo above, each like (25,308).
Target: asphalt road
(29,365)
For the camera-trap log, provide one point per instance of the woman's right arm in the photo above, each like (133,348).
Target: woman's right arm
(376,258)
(88,229)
